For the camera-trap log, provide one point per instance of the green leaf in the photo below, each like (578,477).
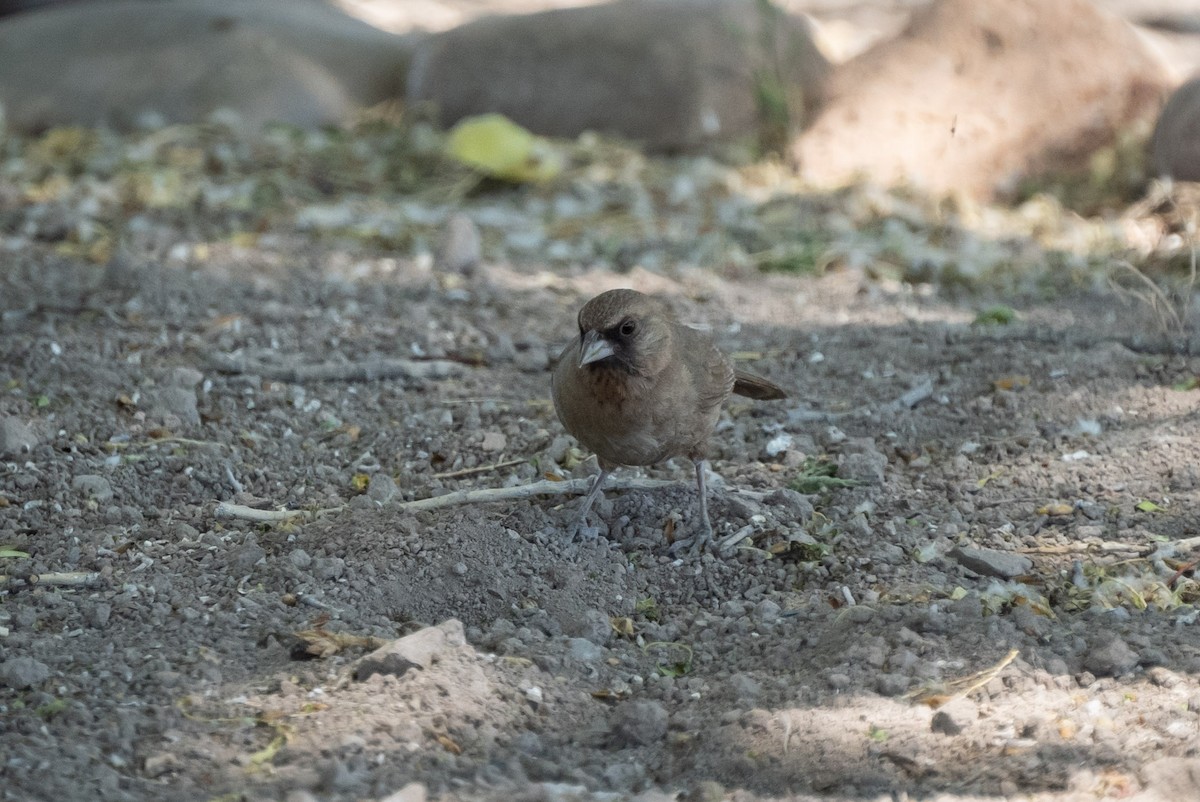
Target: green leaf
(8,551)
(998,315)
(1148,506)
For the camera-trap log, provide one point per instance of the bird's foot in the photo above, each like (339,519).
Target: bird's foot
(578,530)
(693,545)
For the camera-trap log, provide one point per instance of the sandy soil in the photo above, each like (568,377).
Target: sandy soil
(805,662)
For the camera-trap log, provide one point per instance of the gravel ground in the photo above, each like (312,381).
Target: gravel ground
(958,561)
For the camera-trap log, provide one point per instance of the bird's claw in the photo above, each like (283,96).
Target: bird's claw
(693,545)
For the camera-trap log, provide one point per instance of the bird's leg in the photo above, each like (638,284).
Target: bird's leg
(580,524)
(698,541)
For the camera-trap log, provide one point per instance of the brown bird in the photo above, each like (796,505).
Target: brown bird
(638,387)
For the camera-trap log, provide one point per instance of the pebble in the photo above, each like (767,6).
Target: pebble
(243,558)
(382,488)
(584,651)
(1111,658)
(944,724)
(23,672)
(328,568)
(300,558)
(93,486)
(15,437)
(891,684)
(418,650)
(592,624)
(178,403)
(991,562)
(745,687)
(494,441)
(160,764)
(793,503)
(767,611)
(638,723)
(867,468)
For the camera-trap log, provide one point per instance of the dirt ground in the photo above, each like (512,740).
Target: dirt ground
(851,643)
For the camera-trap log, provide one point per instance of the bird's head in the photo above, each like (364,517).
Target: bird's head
(627,330)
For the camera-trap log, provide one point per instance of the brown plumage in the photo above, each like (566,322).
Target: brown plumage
(637,387)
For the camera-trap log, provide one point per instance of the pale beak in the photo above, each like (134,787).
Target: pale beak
(594,348)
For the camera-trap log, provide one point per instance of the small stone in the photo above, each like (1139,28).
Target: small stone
(638,723)
(382,488)
(300,558)
(794,504)
(838,681)
(98,614)
(767,611)
(584,651)
(418,650)
(864,467)
(160,764)
(745,687)
(413,792)
(184,376)
(92,486)
(944,724)
(991,562)
(23,672)
(1111,658)
(624,776)
(592,624)
(705,791)
(243,558)
(494,441)
(15,437)
(328,568)
(178,403)
(891,684)
(460,249)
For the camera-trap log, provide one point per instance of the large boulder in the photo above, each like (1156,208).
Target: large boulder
(126,62)
(670,74)
(1176,142)
(976,95)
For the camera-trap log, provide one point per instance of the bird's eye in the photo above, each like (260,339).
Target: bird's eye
(628,327)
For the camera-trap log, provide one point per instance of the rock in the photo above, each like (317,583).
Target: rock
(300,558)
(864,467)
(413,792)
(891,684)
(23,672)
(793,503)
(767,611)
(461,248)
(174,406)
(638,723)
(1112,658)
(243,558)
(328,568)
(15,437)
(622,776)
(592,624)
(992,562)
(93,486)
(1173,778)
(670,74)
(494,441)
(976,95)
(745,688)
(421,650)
(584,651)
(126,63)
(1176,142)
(944,724)
(382,488)
(160,764)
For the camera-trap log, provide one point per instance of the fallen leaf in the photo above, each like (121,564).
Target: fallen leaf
(449,745)
(1055,509)
(1011,382)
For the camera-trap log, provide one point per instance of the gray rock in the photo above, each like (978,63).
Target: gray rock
(794,503)
(184,376)
(125,63)
(92,486)
(328,568)
(1176,142)
(99,614)
(745,688)
(991,562)
(638,723)
(23,672)
(421,650)
(243,558)
(622,776)
(300,558)
(460,249)
(382,488)
(413,792)
(891,684)
(944,724)
(584,651)
(767,611)
(866,467)
(16,437)
(591,624)
(671,74)
(1111,658)
(170,404)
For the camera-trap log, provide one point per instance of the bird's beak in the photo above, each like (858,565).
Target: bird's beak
(594,348)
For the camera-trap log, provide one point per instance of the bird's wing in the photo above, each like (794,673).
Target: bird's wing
(756,387)
(712,372)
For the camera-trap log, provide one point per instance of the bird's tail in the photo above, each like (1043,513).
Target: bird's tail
(756,387)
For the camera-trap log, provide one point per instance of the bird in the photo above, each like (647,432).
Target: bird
(637,387)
